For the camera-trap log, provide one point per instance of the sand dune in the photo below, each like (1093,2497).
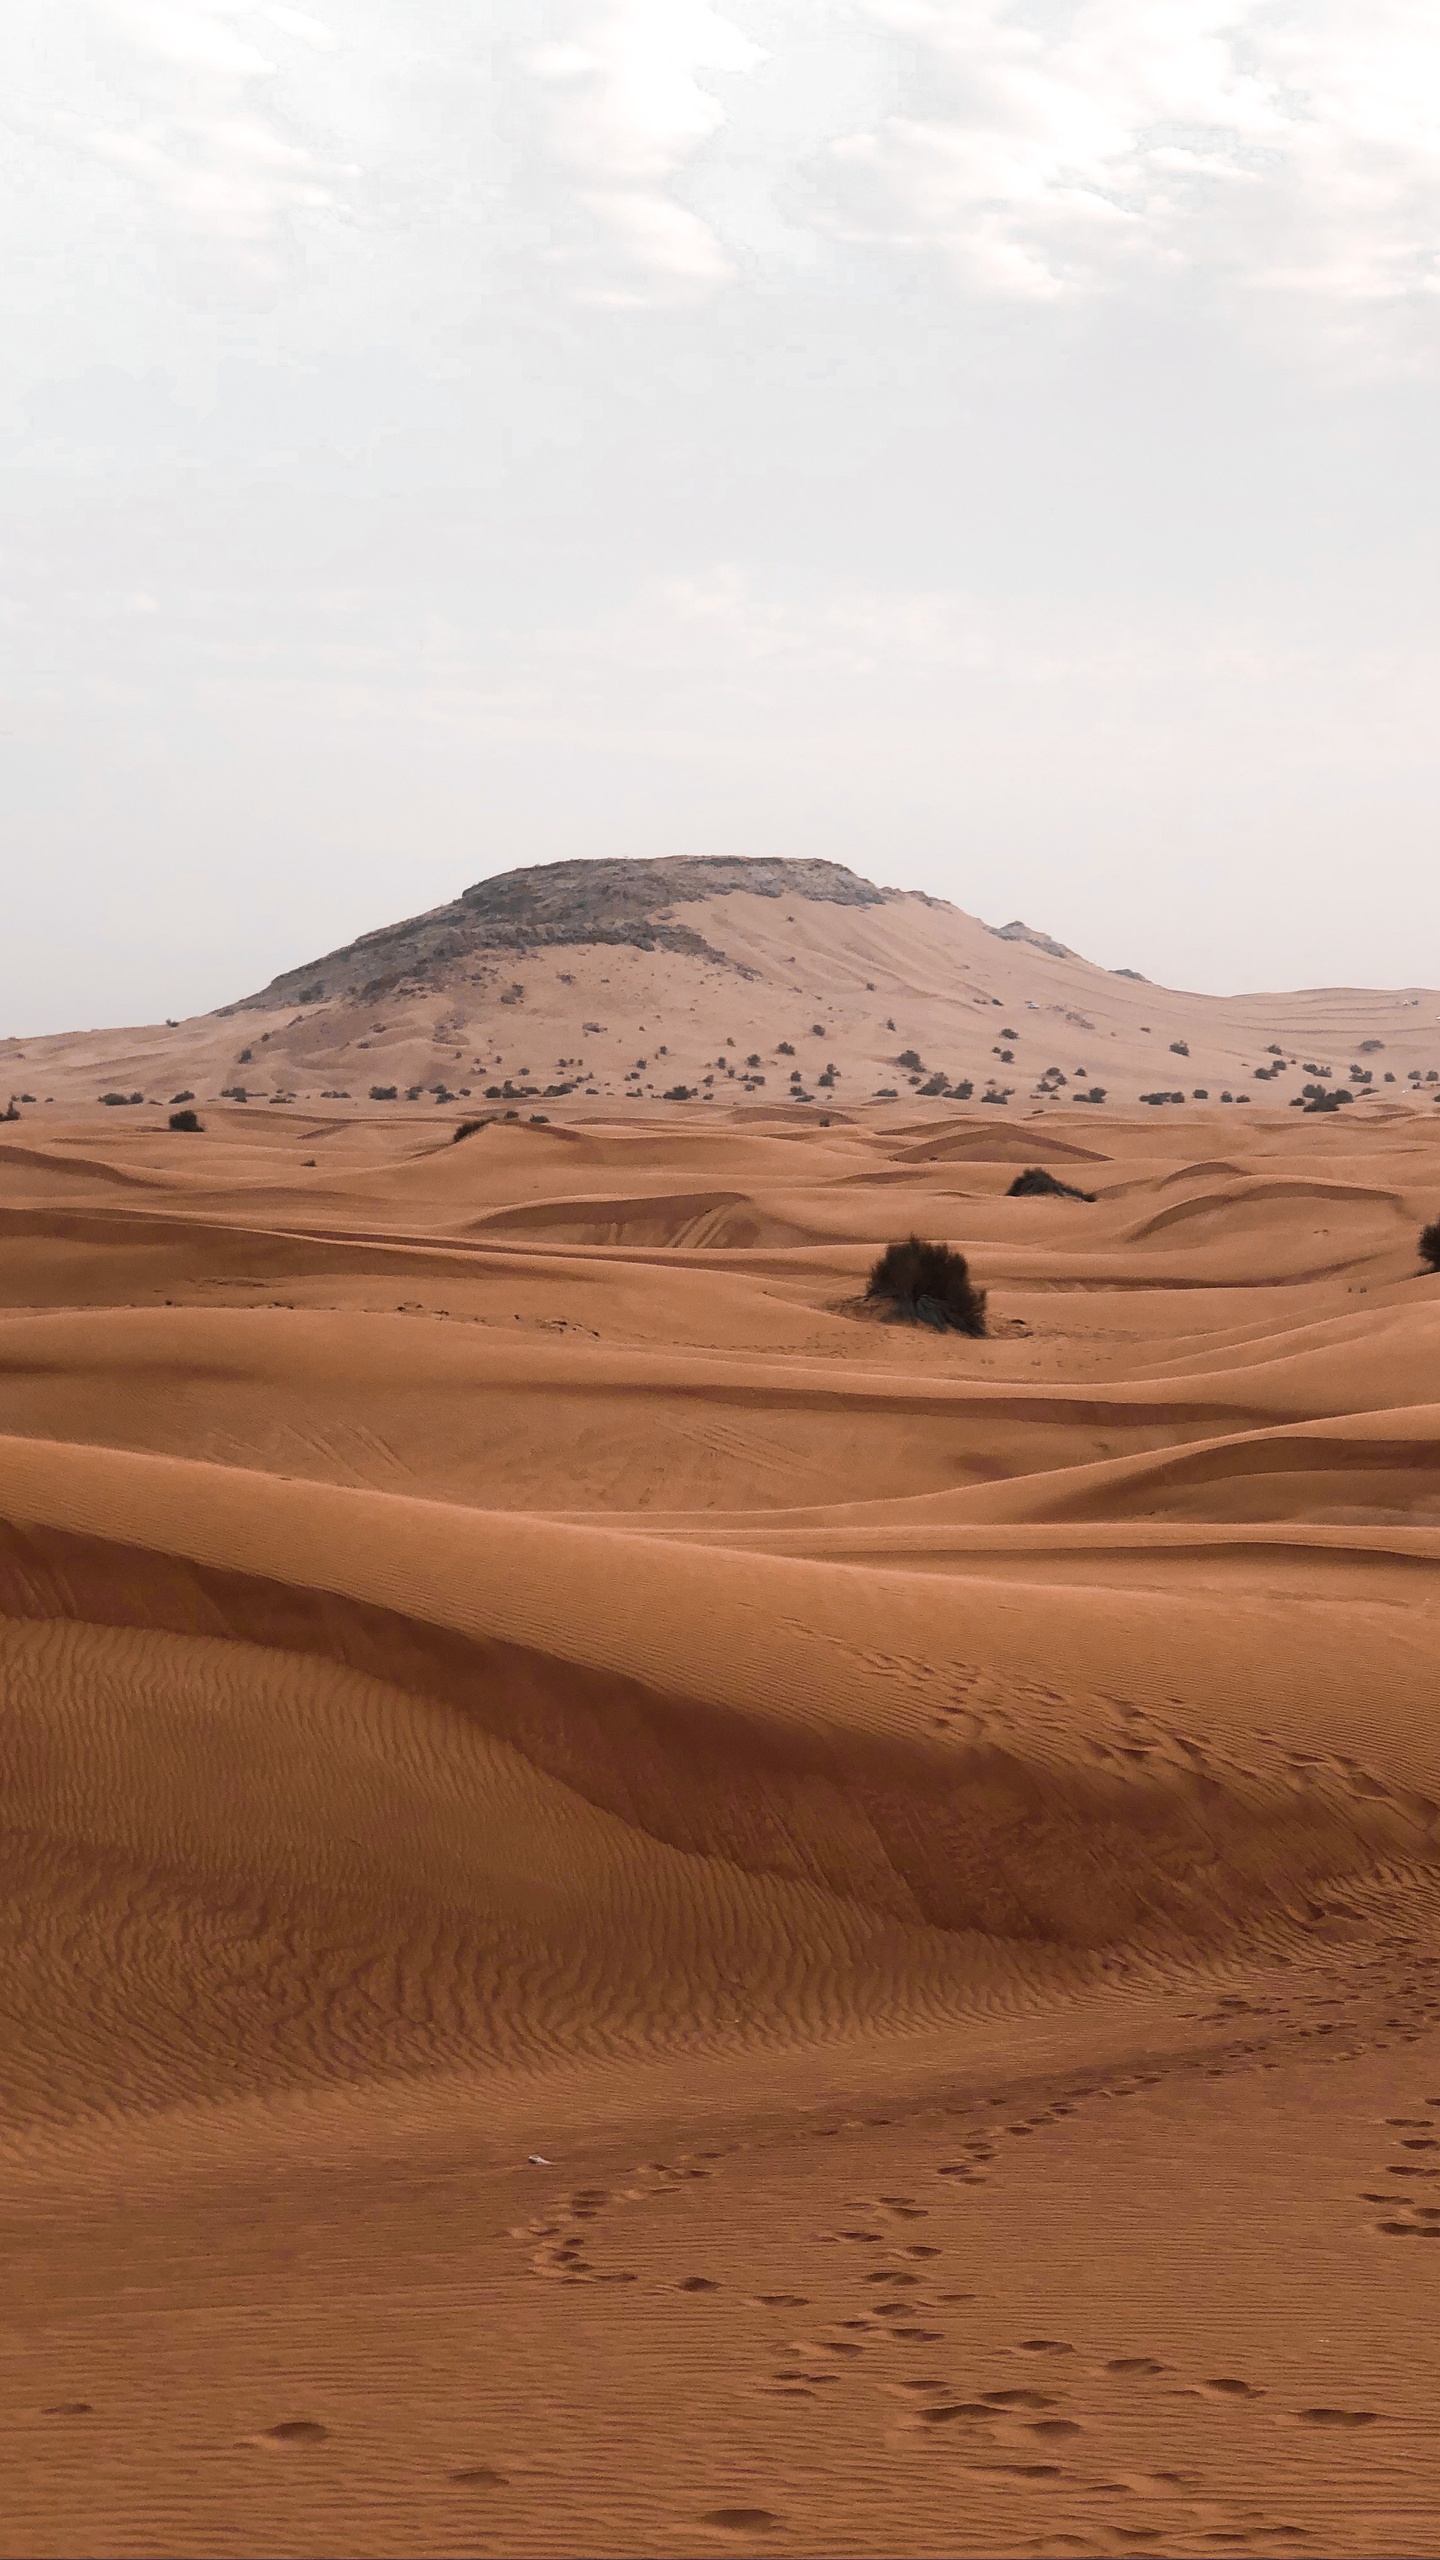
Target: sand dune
(644,1914)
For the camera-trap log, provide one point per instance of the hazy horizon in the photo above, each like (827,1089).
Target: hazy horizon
(988,446)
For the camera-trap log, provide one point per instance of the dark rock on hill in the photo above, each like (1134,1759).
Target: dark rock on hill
(556,903)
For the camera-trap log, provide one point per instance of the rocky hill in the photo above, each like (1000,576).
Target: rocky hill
(789,987)
(559,904)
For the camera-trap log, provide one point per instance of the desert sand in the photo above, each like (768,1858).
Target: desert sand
(643,1915)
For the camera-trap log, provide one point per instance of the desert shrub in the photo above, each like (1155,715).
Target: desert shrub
(932,1086)
(1097,1091)
(1430,1246)
(10,1112)
(1366,1047)
(382,1093)
(912,1061)
(186,1096)
(466,1129)
(783,1049)
(186,1122)
(1036,1184)
(1179,1048)
(817,1030)
(121,1098)
(962,1091)
(1202,1093)
(886,1093)
(679,1093)
(929,1284)
(245,1058)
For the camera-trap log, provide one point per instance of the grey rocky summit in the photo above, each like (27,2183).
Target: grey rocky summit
(554,904)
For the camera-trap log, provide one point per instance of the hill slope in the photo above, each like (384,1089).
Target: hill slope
(749,979)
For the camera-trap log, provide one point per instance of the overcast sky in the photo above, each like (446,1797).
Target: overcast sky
(990,442)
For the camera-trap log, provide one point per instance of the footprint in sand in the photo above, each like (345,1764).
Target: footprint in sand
(743,2519)
(1424,2222)
(293,2435)
(947,2413)
(1338,2417)
(1023,2470)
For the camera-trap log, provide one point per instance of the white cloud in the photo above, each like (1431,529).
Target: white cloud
(1285,149)
(188,108)
(1280,152)
(627,107)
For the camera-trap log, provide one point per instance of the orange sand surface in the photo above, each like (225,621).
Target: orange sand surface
(645,1916)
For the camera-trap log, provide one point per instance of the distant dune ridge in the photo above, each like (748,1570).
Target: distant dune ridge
(785,984)
(646,1908)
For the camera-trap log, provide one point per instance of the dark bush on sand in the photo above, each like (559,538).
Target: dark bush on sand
(186,1123)
(1036,1184)
(929,1284)
(1430,1246)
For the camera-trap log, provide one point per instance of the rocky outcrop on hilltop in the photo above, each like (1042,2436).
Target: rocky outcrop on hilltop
(555,904)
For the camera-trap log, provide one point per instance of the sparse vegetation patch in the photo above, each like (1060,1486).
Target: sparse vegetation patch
(1036,1184)
(928,1284)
